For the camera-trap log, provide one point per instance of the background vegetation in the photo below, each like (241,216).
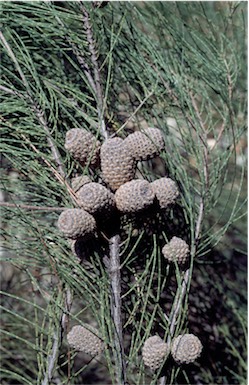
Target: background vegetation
(120,67)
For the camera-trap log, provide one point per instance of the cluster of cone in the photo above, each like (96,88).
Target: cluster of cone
(118,160)
(185,349)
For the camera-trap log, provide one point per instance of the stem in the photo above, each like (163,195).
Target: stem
(28,207)
(57,338)
(96,71)
(177,304)
(113,262)
(54,150)
(52,360)
(79,57)
(134,112)
(115,277)
(162,381)
(12,56)
(58,176)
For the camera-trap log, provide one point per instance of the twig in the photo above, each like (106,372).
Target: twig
(199,222)
(162,381)
(28,207)
(10,91)
(135,112)
(180,295)
(229,81)
(52,360)
(94,80)
(68,304)
(177,305)
(230,94)
(54,171)
(96,71)
(182,290)
(175,99)
(79,57)
(115,277)
(113,262)
(56,155)
(222,129)
(12,56)
(204,141)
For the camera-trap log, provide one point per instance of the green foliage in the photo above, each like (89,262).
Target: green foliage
(180,66)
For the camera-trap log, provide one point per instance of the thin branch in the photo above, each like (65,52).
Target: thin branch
(12,56)
(115,277)
(96,71)
(185,284)
(175,99)
(68,305)
(79,57)
(230,95)
(56,155)
(182,290)
(52,360)
(113,262)
(54,171)
(40,115)
(68,292)
(134,113)
(94,80)
(28,207)
(178,304)
(229,81)
(199,221)
(204,141)
(162,381)
(10,91)
(221,131)
(94,57)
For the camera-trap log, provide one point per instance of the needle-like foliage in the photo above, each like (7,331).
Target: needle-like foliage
(113,68)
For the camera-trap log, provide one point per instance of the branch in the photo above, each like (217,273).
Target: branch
(113,262)
(28,207)
(134,113)
(12,56)
(96,71)
(10,91)
(177,305)
(182,290)
(52,360)
(54,150)
(79,57)
(204,141)
(115,277)
(54,171)
(94,80)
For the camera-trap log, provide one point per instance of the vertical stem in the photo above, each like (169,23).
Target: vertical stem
(177,305)
(115,277)
(162,381)
(96,70)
